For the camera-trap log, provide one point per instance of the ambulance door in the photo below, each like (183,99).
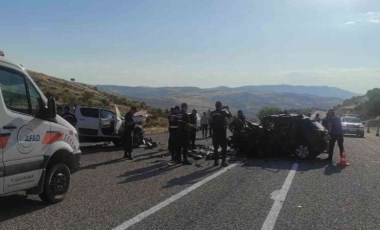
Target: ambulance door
(22,133)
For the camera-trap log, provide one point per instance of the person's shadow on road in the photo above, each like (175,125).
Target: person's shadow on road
(332,169)
(191,178)
(147,172)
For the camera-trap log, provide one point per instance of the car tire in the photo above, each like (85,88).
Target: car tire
(303,151)
(57,183)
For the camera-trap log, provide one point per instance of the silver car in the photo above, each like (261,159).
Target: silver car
(352,125)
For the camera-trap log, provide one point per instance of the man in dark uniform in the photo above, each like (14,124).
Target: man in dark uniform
(336,134)
(71,118)
(193,130)
(173,131)
(219,125)
(236,127)
(129,125)
(183,135)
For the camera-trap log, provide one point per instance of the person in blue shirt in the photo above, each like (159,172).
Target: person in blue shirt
(334,125)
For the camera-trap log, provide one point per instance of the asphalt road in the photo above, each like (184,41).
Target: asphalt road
(109,191)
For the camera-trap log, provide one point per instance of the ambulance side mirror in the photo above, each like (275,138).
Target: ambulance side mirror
(51,108)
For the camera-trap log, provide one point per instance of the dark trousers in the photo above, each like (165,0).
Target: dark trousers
(238,143)
(183,146)
(219,139)
(192,137)
(204,130)
(128,142)
(173,142)
(335,138)
(210,131)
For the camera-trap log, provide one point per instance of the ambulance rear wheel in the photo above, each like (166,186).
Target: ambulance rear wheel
(57,183)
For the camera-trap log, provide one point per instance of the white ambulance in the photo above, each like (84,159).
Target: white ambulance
(38,149)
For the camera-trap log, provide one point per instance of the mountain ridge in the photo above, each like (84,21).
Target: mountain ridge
(144,91)
(248,98)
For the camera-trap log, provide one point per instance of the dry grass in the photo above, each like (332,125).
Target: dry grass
(74,93)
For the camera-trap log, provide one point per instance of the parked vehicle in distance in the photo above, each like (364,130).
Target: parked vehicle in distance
(38,149)
(352,125)
(104,125)
(99,124)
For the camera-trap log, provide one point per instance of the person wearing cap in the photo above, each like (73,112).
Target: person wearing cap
(204,124)
(219,126)
(68,116)
(60,110)
(193,131)
(173,131)
(317,118)
(129,125)
(334,125)
(183,135)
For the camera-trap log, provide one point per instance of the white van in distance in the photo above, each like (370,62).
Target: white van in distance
(99,124)
(38,149)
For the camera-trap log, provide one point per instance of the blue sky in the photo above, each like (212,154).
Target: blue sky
(202,43)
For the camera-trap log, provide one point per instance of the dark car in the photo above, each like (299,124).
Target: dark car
(291,135)
(285,134)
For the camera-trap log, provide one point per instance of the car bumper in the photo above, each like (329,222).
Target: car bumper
(356,131)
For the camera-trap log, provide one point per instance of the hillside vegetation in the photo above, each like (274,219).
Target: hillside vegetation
(73,93)
(70,92)
(367,107)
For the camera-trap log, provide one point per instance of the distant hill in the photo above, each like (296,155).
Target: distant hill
(248,98)
(321,91)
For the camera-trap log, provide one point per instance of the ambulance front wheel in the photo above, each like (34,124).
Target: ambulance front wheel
(57,183)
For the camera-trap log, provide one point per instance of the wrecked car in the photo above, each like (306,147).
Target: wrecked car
(285,135)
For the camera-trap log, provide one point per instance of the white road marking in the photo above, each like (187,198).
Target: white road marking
(170,200)
(279,197)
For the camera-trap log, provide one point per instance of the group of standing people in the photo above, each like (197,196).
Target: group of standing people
(181,133)
(183,128)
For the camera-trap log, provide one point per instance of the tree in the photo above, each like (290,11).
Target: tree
(72,79)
